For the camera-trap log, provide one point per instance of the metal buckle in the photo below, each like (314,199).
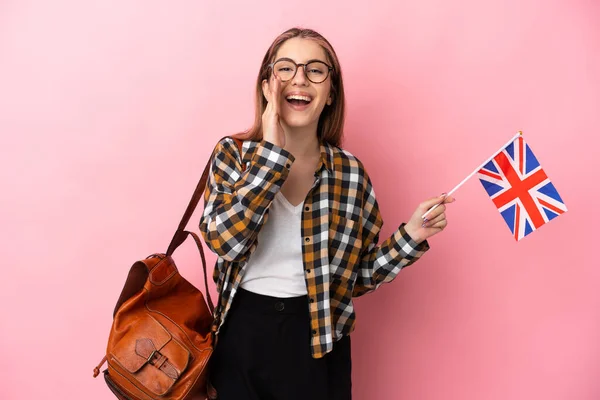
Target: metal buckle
(149,360)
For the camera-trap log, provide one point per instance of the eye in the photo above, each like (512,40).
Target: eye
(315,71)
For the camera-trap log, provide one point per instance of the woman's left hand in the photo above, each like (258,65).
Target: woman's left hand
(420,229)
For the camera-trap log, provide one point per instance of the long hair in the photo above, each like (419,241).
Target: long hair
(331,121)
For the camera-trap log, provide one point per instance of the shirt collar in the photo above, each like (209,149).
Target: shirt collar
(326,157)
(326,160)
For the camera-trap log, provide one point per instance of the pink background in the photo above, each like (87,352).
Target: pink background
(109,110)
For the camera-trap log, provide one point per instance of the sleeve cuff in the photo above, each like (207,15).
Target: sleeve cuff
(272,156)
(412,250)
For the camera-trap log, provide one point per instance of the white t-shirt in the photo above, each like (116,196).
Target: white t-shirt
(276,268)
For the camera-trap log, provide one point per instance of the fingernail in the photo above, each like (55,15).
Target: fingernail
(444,194)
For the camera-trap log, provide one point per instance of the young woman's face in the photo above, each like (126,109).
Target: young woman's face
(302,100)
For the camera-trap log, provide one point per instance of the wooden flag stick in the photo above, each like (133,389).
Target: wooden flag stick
(473,173)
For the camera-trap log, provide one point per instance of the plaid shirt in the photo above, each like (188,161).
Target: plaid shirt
(340,231)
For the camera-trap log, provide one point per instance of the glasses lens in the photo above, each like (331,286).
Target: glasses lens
(317,71)
(284,69)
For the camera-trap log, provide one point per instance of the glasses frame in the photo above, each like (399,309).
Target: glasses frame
(329,68)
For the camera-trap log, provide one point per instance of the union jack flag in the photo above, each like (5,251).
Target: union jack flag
(520,189)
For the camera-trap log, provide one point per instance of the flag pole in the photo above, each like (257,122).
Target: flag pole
(474,172)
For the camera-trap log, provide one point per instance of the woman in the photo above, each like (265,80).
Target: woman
(295,224)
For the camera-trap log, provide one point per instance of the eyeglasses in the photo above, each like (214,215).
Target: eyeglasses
(316,71)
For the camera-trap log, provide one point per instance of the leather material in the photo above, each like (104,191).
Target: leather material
(145,348)
(162,334)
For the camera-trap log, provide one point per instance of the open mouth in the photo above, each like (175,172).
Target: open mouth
(298,100)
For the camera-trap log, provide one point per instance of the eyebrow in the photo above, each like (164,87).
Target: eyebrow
(308,62)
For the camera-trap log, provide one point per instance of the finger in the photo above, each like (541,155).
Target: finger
(432,202)
(275,93)
(267,113)
(267,92)
(433,221)
(435,212)
(439,225)
(430,222)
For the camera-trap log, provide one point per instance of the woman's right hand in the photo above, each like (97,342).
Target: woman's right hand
(271,124)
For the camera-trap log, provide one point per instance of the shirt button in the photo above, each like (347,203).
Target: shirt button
(279,306)
(288,165)
(306,208)
(312,300)
(308,271)
(314,332)
(307,239)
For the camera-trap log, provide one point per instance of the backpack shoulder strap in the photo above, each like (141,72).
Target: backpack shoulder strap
(179,237)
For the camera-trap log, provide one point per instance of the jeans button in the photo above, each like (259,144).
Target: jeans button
(279,306)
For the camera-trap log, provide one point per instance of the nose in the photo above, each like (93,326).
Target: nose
(300,77)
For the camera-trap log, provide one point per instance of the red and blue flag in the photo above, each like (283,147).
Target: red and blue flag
(520,189)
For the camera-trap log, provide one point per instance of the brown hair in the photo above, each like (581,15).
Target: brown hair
(331,121)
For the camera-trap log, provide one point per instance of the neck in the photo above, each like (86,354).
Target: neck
(302,142)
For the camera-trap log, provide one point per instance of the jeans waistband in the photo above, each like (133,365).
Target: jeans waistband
(259,303)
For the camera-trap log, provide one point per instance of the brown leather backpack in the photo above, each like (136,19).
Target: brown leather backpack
(162,334)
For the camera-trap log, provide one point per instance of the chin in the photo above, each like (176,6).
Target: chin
(298,122)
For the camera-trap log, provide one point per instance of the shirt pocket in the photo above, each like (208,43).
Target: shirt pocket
(345,245)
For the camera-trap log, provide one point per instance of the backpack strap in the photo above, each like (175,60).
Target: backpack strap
(175,242)
(181,234)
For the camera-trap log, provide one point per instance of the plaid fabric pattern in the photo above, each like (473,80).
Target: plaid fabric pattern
(340,231)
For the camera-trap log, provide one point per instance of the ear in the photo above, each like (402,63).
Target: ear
(331,96)
(265,89)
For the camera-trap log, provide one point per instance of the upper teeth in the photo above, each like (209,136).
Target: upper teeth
(298,97)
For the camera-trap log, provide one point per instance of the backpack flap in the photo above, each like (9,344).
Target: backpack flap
(151,355)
